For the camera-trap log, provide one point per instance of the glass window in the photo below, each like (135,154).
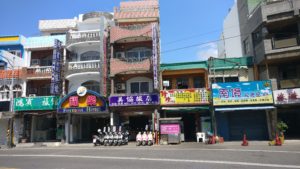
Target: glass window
(92,85)
(144,87)
(182,83)
(135,87)
(199,82)
(90,55)
(170,84)
(231,79)
(138,54)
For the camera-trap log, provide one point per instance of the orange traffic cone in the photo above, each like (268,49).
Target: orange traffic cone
(277,141)
(245,141)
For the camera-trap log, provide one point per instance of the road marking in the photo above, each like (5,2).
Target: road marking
(154,149)
(158,159)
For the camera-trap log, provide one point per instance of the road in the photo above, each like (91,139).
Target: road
(189,156)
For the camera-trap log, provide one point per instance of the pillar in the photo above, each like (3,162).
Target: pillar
(24,92)
(271,118)
(32,128)
(111,118)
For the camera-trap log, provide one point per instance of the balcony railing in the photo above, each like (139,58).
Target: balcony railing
(83,66)
(286,42)
(123,32)
(39,72)
(82,36)
(92,15)
(123,65)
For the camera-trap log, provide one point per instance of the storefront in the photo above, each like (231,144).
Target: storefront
(84,111)
(134,112)
(243,107)
(191,106)
(287,102)
(35,119)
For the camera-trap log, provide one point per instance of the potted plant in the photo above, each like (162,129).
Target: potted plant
(281,128)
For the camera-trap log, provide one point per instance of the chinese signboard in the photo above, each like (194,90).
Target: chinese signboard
(287,96)
(242,93)
(134,100)
(36,103)
(56,69)
(74,103)
(169,129)
(184,96)
(155,55)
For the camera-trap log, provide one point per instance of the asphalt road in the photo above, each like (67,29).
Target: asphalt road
(189,156)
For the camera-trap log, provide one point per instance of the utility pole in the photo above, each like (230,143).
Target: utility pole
(10,138)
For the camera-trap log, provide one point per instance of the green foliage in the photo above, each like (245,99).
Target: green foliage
(282,126)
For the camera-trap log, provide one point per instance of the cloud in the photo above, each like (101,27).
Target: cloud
(207,51)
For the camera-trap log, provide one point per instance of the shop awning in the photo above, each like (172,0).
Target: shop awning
(195,108)
(245,108)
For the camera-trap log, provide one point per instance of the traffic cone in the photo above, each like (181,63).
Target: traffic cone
(277,141)
(245,141)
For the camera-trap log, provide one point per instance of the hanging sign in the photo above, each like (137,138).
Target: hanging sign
(184,96)
(287,96)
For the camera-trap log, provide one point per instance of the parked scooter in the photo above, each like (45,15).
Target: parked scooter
(139,139)
(150,139)
(145,138)
(98,139)
(115,136)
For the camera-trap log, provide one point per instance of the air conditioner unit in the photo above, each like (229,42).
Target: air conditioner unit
(35,62)
(32,95)
(120,86)
(120,55)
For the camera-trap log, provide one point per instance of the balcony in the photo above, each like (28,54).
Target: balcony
(40,72)
(274,10)
(82,36)
(285,42)
(139,32)
(8,74)
(123,65)
(197,96)
(83,66)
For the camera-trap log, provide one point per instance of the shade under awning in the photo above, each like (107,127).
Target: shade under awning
(197,108)
(244,108)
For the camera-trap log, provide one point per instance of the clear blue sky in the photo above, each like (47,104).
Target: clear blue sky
(183,22)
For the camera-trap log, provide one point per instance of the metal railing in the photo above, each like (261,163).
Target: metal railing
(39,71)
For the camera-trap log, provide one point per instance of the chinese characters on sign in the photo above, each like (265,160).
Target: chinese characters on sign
(133,100)
(287,96)
(36,103)
(155,55)
(56,69)
(169,129)
(242,93)
(184,96)
(73,101)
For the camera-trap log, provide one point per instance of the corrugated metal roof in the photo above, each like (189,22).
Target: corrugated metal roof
(44,41)
(184,65)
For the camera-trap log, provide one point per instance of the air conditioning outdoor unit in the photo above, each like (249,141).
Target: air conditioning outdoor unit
(32,95)
(120,86)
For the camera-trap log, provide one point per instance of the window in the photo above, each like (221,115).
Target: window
(46,61)
(17,91)
(182,83)
(231,79)
(92,85)
(2,67)
(288,72)
(257,37)
(16,52)
(138,54)
(4,92)
(246,46)
(90,55)
(139,87)
(45,90)
(170,84)
(199,82)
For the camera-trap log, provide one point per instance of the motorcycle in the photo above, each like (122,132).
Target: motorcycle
(150,139)
(145,139)
(115,138)
(139,139)
(98,139)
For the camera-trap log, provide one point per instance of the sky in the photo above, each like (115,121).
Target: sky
(183,23)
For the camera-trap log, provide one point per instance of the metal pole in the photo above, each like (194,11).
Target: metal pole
(10,140)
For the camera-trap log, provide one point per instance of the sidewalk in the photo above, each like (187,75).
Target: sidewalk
(229,144)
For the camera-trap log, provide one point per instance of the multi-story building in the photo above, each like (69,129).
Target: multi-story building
(12,60)
(184,100)
(270,33)
(133,65)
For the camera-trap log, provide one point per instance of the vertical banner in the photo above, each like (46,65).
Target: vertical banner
(155,55)
(56,68)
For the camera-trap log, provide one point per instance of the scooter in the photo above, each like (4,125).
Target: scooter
(139,139)
(107,137)
(98,139)
(150,139)
(145,139)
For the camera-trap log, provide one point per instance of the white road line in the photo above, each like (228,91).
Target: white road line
(158,160)
(154,149)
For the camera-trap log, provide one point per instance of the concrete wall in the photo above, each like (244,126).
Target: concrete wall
(76,80)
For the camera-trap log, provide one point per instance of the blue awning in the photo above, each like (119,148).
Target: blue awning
(244,108)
